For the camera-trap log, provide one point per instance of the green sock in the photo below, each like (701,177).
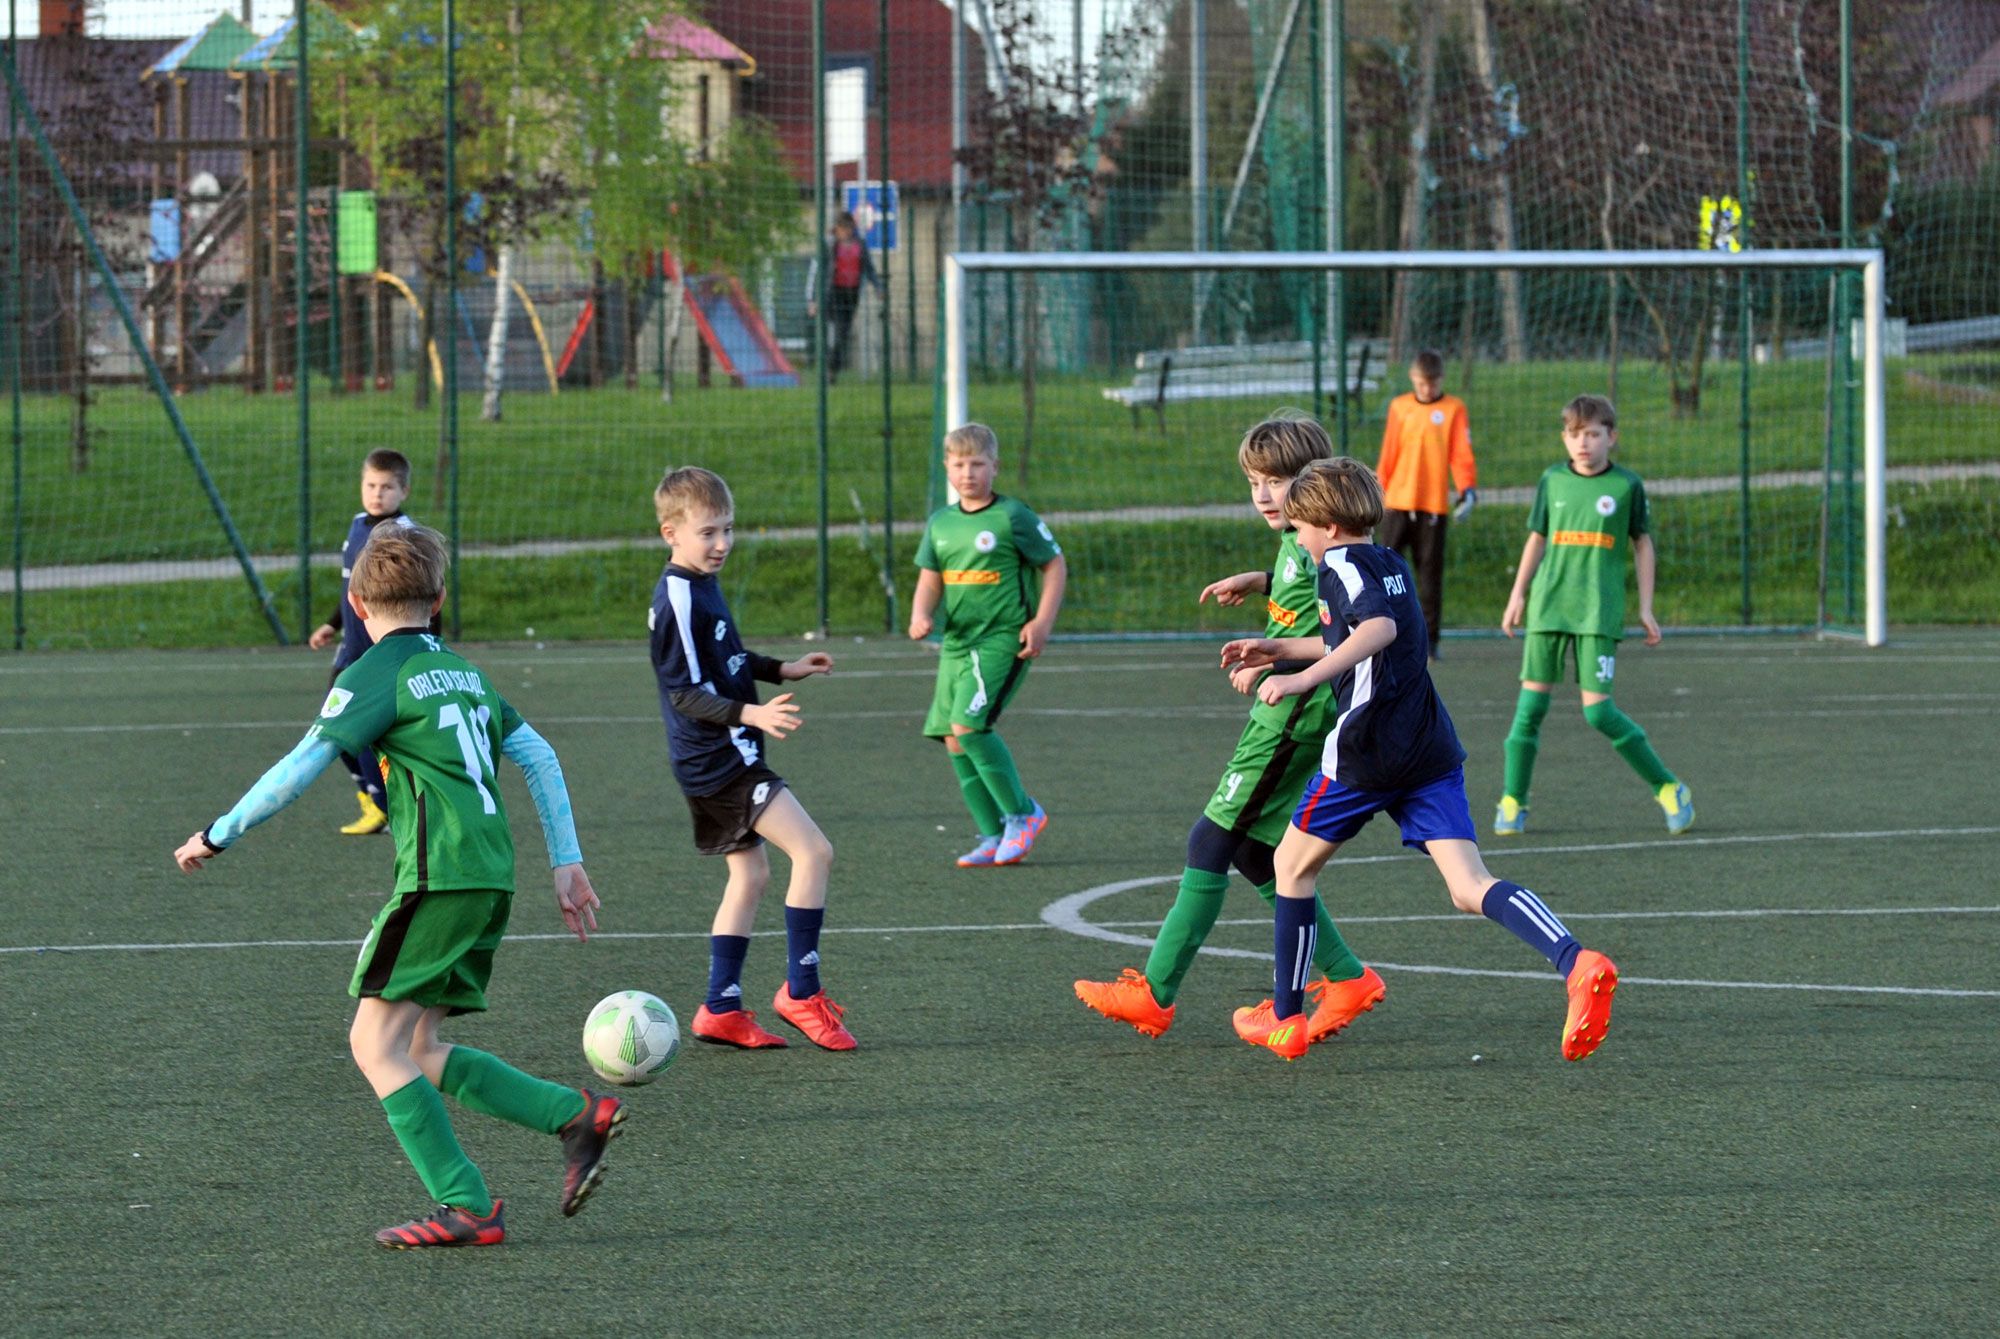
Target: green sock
(985,813)
(1630,741)
(1331,953)
(1523,739)
(492,1087)
(423,1127)
(996,768)
(1188,922)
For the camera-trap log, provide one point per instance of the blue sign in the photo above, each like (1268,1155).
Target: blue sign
(876,208)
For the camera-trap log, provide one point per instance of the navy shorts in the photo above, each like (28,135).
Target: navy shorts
(1435,811)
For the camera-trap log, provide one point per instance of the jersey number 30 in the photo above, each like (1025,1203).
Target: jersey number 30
(474,745)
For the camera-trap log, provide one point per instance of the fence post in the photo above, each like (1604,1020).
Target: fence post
(302,350)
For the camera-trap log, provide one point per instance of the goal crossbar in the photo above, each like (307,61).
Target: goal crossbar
(1867,261)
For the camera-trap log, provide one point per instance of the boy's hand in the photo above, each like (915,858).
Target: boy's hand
(807,665)
(1510,618)
(194,852)
(1232,590)
(323,636)
(1248,653)
(1277,688)
(1651,625)
(576,900)
(1466,502)
(920,627)
(776,718)
(1034,636)
(1244,679)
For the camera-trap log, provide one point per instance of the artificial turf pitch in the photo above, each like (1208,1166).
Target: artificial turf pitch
(1789,1129)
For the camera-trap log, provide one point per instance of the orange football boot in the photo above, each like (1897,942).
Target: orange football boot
(1592,980)
(736,1028)
(817,1016)
(1335,1004)
(1129,999)
(1260,1026)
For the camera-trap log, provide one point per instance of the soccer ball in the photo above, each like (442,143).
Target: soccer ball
(631,1037)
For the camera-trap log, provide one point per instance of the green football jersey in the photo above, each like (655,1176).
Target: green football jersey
(1590,521)
(1292,610)
(437,724)
(990,560)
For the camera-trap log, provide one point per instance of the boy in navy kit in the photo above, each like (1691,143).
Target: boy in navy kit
(385,482)
(1392,750)
(715,736)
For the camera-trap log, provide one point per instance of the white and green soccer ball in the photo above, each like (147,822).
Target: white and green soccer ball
(631,1037)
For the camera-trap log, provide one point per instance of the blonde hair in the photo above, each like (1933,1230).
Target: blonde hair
(1341,492)
(1284,444)
(687,488)
(972,439)
(400,571)
(1585,410)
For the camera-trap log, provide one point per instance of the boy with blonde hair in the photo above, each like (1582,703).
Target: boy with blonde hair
(1392,750)
(438,723)
(1588,515)
(1277,753)
(715,738)
(385,483)
(978,557)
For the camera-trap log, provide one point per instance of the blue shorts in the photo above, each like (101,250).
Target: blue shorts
(1434,811)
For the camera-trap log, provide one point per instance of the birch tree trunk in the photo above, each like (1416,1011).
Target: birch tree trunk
(1416,191)
(676,308)
(1500,201)
(496,336)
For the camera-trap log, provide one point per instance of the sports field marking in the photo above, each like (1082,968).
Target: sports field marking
(1066,914)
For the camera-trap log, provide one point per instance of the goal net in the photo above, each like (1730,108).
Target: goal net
(1750,389)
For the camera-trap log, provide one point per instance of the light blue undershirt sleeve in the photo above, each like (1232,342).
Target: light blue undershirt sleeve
(537,761)
(285,782)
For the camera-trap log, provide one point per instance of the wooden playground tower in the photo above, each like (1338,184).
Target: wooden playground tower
(224,308)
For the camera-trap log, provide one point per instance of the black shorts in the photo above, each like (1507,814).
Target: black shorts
(724,821)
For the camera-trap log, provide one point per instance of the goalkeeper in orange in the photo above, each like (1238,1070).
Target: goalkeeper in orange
(1426,451)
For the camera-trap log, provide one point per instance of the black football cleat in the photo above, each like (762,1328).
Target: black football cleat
(585,1140)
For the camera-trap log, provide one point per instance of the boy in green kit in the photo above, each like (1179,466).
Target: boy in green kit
(438,724)
(977,558)
(1277,754)
(1588,514)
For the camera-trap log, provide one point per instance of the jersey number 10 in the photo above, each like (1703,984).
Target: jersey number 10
(474,745)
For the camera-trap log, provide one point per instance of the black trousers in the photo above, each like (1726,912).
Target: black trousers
(842,302)
(1419,537)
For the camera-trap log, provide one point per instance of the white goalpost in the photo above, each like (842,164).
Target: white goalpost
(1868,262)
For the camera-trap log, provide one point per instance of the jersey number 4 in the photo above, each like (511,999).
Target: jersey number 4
(474,745)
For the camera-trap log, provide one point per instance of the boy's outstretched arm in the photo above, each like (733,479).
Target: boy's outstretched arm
(284,782)
(1644,561)
(1232,589)
(1369,636)
(1261,652)
(575,898)
(1035,632)
(1524,576)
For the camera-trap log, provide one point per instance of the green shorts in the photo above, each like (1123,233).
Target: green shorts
(974,685)
(1262,784)
(433,948)
(1596,659)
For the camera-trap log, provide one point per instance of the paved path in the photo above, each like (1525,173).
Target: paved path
(85,575)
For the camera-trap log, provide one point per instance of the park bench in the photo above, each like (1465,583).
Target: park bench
(1231,371)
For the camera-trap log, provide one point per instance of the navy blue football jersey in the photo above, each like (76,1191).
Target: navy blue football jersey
(354,638)
(1391,731)
(696,646)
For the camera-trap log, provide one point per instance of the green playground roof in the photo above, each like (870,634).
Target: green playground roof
(280,51)
(215,47)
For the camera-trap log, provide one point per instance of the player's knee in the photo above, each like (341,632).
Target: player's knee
(815,850)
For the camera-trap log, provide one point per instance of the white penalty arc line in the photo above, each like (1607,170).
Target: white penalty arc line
(1067,914)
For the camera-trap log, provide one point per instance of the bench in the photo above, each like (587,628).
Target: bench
(1228,371)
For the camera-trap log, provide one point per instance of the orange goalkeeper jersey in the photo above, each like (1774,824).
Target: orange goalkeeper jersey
(1425,447)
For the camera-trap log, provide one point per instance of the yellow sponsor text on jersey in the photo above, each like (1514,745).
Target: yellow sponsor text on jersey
(1280,615)
(971,577)
(1586,538)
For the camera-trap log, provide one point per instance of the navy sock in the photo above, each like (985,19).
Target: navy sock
(1532,923)
(725,972)
(802,950)
(1295,933)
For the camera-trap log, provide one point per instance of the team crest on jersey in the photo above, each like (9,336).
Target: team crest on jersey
(336,702)
(1325,613)
(986,541)
(1606,505)
(1437,415)
(1291,569)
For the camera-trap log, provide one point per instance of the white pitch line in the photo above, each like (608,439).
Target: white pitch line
(1066,914)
